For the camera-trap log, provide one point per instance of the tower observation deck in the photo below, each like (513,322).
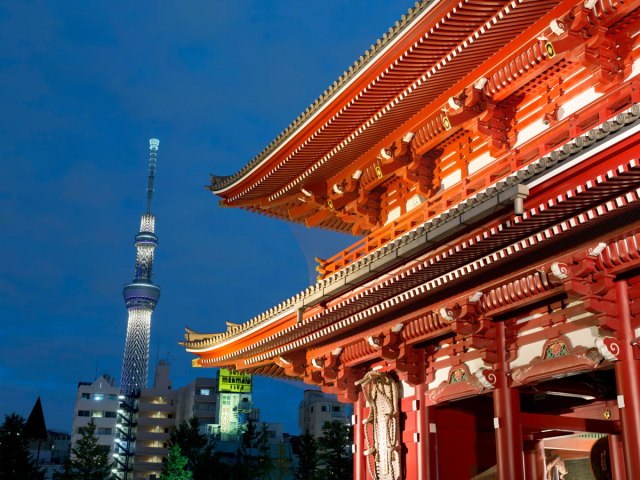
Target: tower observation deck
(141,295)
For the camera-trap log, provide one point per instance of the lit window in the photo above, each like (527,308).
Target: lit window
(97,413)
(205,391)
(98,396)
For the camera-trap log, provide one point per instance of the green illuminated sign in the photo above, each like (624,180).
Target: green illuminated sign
(236,382)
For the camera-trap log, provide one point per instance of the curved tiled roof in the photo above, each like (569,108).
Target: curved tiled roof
(390,250)
(220,182)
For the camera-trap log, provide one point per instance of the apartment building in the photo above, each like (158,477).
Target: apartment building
(97,401)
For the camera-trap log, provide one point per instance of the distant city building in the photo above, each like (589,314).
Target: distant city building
(97,401)
(48,448)
(235,406)
(198,399)
(316,408)
(222,405)
(51,454)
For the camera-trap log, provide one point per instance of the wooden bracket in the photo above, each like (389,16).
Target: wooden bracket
(583,281)
(498,123)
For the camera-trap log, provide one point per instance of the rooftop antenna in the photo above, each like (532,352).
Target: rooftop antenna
(153,153)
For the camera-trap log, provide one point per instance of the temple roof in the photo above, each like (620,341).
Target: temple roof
(552,98)
(219,183)
(430,54)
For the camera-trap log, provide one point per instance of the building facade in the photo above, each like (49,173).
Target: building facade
(485,155)
(317,408)
(97,401)
(198,399)
(222,405)
(50,455)
(156,421)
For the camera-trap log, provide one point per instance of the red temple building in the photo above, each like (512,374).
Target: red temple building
(486,157)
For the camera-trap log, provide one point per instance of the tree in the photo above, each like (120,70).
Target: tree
(263,459)
(15,461)
(335,456)
(190,441)
(282,465)
(243,467)
(66,473)
(253,457)
(307,468)
(199,450)
(89,460)
(176,466)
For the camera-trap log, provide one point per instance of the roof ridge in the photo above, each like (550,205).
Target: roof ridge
(220,182)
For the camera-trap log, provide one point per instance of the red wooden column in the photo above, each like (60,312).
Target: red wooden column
(616,457)
(534,460)
(359,466)
(506,411)
(628,384)
(427,466)
(432,443)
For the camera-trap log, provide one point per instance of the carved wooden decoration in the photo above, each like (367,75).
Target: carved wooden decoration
(558,357)
(382,426)
(461,383)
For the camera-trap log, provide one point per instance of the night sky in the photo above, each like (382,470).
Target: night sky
(83,86)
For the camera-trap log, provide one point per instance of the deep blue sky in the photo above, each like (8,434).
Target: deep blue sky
(83,85)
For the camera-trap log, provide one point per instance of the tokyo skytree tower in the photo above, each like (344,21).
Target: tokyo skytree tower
(141,296)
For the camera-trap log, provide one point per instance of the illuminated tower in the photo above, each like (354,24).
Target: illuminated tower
(141,296)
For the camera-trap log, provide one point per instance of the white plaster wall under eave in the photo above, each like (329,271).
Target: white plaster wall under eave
(451,179)
(475,365)
(442,375)
(414,201)
(407,390)
(393,214)
(635,69)
(529,132)
(480,162)
(576,103)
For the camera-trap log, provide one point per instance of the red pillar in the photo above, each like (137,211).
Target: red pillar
(506,411)
(359,466)
(534,460)
(616,459)
(426,448)
(432,444)
(628,384)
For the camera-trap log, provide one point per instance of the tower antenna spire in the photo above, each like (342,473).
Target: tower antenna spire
(153,153)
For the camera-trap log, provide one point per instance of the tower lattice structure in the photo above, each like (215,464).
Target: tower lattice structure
(141,295)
